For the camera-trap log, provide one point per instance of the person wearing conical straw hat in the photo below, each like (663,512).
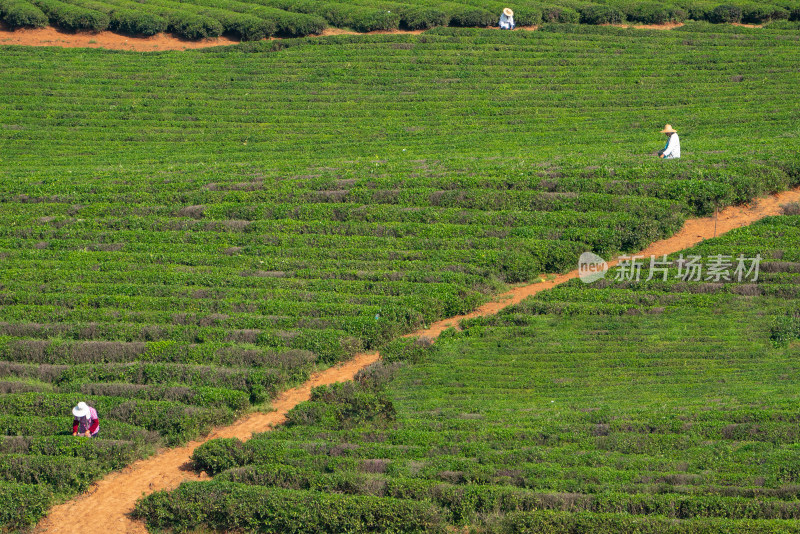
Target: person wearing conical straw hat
(672,150)
(86,422)
(507,20)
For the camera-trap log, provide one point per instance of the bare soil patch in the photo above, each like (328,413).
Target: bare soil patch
(665,26)
(51,36)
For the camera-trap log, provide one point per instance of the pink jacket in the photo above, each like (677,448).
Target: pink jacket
(90,423)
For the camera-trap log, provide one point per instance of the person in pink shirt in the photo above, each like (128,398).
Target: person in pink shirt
(86,422)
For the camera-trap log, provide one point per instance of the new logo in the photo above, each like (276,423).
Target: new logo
(591,267)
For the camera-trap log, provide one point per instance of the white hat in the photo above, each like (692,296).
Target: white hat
(508,12)
(81,410)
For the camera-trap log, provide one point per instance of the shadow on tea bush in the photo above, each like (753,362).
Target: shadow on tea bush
(407,349)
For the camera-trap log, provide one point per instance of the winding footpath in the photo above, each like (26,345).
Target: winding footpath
(105,507)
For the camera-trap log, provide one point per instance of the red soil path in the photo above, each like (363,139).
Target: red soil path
(51,36)
(105,507)
(112,41)
(693,232)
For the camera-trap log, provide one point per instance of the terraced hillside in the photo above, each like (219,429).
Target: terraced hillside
(623,406)
(184,234)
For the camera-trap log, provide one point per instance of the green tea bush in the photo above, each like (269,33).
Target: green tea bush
(527,15)
(423,18)
(548,521)
(22,505)
(377,375)
(48,426)
(365,20)
(12,386)
(218,455)
(753,13)
(561,14)
(412,350)
(368,21)
(342,481)
(785,328)
(247,27)
(73,18)
(390,223)
(19,14)
(231,506)
(113,454)
(207,397)
(61,473)
(298,24)
(51,404)
(343,405)
(473,17)
(652,13)
(195,27)
(132,22)
(342,15)
(281,476)
(601,14)
(176,423)
(725,13)
(699,11)
(261,384)
(329,345)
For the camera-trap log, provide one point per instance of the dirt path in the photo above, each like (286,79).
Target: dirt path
(693,232)
(112,498)
(51,36)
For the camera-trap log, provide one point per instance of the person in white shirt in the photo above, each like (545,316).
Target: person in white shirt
(507,20)
(672,149)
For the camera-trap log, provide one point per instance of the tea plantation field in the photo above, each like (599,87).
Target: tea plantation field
(253,20)
(182,235)
(660,406)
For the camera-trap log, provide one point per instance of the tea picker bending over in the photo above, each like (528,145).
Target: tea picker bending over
(507,20)
(86,422)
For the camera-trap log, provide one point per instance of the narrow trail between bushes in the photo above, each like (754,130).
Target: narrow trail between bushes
(693,232)
(105,507)
(51,36)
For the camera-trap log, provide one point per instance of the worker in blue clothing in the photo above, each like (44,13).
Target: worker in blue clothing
(507,20)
